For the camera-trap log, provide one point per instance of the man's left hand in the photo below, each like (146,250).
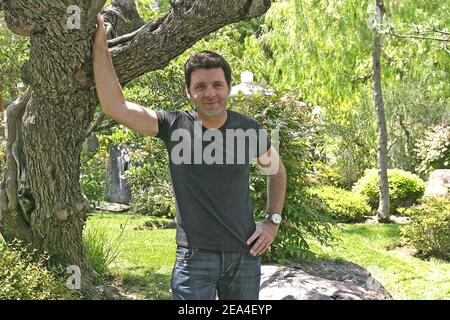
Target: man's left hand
(265,233)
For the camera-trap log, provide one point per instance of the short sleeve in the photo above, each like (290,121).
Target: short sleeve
(264,142)
(165,123)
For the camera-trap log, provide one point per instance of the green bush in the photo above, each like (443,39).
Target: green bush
(23,276)
(405,188)
(148,172)
(433,149)
(344,206)
(156,223)
(93,175)
(101,250)
(304,214)
(429,230)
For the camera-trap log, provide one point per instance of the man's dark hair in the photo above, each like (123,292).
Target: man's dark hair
(206,60)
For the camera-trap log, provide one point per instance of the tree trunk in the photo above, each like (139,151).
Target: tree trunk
(383,209)
(41,200)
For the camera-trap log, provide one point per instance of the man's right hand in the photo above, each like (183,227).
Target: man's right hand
(100,34)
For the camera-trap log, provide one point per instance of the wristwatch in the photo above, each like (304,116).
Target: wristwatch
(274,217)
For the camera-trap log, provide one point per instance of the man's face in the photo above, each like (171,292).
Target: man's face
(209,92)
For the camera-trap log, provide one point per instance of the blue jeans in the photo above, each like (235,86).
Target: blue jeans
(201,274)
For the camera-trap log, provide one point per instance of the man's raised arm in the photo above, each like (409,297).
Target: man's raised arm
(110,94)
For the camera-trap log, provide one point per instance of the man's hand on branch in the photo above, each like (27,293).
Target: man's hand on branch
(100,35)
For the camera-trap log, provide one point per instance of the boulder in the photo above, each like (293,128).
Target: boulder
(118,188)
(322,280)
(112,207)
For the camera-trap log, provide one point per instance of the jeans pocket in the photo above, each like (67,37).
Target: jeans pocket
(184,254)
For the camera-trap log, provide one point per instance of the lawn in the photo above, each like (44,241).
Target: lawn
(146,257)
(375,247)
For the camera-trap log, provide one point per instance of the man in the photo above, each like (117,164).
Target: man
(210,150)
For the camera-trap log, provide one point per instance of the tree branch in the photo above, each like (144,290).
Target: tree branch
(95,125)
(411,36)
(156,44)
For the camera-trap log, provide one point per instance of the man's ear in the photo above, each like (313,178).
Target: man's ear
(187,92)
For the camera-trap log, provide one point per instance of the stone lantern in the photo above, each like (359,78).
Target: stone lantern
(248,88)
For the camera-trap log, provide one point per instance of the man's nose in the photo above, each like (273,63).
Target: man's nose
(210,92)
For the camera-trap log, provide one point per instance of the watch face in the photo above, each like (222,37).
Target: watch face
(276,218)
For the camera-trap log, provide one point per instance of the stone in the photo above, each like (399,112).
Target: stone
(321,280)
(438,183)
(118,188)
(112,207)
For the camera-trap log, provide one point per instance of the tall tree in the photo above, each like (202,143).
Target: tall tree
(383,208)
(41,200)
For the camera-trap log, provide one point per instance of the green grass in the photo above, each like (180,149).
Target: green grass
(146,258)
(374,247)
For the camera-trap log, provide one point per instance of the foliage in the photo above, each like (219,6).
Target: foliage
(146,258)
(429,230)
(305,45)
(304,213)
(93,174)
(343,205)
(434,149)
(148,172)
(101,250)
(405,188)
(14,52)
(23,276)
(409,120)
(156,223)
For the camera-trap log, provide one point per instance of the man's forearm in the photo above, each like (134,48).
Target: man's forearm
(276,191)
(108,87)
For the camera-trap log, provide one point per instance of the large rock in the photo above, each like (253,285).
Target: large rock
(118,188)
(323,280)
(112,207)
(438,183)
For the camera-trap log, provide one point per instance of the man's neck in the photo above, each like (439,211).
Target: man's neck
(213,122)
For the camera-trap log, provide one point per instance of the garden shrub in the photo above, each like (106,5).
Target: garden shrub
(433,149)
(23,276)
(344,206)
(148,173)
(405,188)
(429,230)
(157,223)
(304,214)
(93,175)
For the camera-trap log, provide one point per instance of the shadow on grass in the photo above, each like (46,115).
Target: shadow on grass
(147,284)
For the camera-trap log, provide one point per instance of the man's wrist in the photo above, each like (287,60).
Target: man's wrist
(274,218)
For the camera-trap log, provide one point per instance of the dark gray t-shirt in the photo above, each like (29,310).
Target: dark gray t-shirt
(210,177)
